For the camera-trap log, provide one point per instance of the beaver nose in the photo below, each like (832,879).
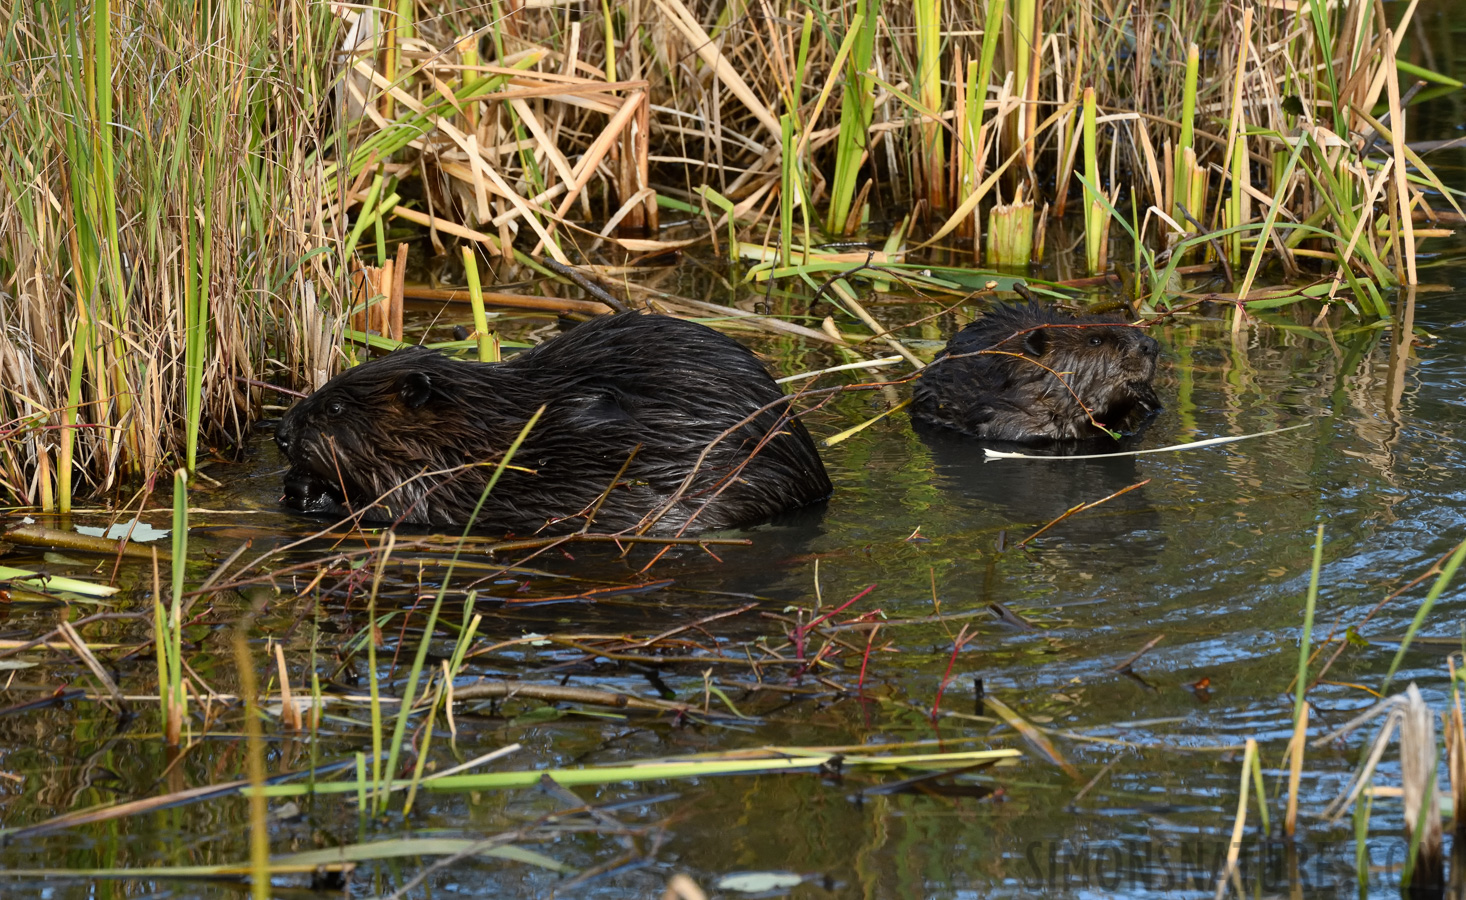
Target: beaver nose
(283,437)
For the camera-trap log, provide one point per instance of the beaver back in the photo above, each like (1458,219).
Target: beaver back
(427,432)
(1028,374)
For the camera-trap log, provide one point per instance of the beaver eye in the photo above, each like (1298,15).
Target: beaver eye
(1096,340)
(335,408)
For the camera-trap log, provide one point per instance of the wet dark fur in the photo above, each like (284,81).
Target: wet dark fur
(607,385)
(1000,397)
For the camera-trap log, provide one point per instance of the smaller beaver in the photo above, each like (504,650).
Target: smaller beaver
(629,400)
(1049,374)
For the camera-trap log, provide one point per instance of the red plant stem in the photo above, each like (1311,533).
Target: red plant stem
(839,609)
(865,658)
(947,675)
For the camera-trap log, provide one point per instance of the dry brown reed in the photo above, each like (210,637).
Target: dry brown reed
(187,190)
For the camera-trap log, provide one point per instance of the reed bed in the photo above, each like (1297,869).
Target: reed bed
(197,199)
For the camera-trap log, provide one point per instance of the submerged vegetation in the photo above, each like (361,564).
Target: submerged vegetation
(194,196)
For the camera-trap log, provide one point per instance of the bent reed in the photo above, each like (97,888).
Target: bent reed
(187,192)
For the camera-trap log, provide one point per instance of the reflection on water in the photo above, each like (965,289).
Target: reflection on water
(1036,492)
(1209,559)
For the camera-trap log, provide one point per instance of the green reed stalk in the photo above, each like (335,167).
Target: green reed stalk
(85,177)
(1260,249)
(794,95)
(197,301)
(391,50)
(259,825)
(104,188)
(389,540)
(363,218)
(929,79)
(176,705)
(726,205)
(361,784)
(787,188)
(1182,184)
(488,347)
(168,630)
(1095,212)
(1260,791)
(977,91)
(1441,582)
(1305,642)
(315,714)
(1323,42)
(1236,200)
(401,726)
(609,23)
(409,693)
(460,649)
(966,148)
(857,106)
(422,752)
(1025,26)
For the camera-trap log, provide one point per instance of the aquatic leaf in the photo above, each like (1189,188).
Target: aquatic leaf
(1031,734)
(781,759)
(758,882)
(135,531)
(312,859)
(56,582)
(396,848)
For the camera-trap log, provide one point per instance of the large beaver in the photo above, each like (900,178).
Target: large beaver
(1046,377)
(424,432)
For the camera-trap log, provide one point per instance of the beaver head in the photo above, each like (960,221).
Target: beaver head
(1025,373)
(1105,365)
(378,427)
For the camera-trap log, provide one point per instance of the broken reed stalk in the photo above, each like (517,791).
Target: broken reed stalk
(1425,863)
(1096,213)
(1296,749)
(1010,235)
(290,717)
(1239,822)
(488,342)
(1456,753)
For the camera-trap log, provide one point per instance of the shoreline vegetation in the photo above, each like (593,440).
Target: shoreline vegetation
(194,200)
(201,204)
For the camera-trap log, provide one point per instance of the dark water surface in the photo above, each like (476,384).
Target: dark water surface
(1210,558)
(1212,553)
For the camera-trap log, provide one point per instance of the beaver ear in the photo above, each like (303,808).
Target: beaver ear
(1035,341)
(414,389)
